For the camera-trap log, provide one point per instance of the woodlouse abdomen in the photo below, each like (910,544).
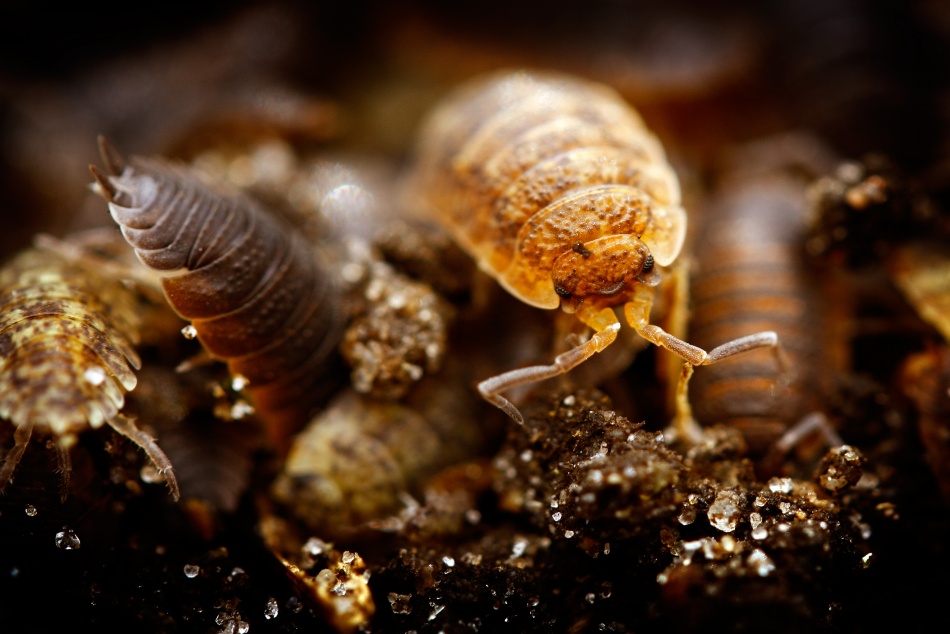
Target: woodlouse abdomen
(558,190)
(253,289)
(751,274)
(67,355)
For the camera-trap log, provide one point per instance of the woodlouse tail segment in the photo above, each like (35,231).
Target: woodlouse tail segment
(606,327)
(111,157)
(106,189)
(114,165)
(127,428)
(21,438)
(255,291)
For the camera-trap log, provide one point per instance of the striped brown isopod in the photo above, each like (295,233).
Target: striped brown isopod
(751,273)
(252,288)
(67,331)
(555,186)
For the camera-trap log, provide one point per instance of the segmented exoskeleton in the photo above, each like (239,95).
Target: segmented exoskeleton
(751,274)
(252,288)
(560,192)
(66,355)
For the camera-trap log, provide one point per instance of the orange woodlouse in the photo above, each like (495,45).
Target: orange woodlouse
(66,356)
(558,190)
(253,289)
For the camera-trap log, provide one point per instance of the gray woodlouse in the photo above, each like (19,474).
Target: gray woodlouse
(557,189)
(67,356)
(253,289)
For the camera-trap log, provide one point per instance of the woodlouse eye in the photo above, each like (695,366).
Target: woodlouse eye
(579,248)
(648,263)
(562,292)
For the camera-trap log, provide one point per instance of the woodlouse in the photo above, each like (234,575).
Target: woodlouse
(66,356)
(558,190)
(751,273)
(253,289)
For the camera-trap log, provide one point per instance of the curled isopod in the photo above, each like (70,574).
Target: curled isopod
(558,190)
(67,356)
(253,289)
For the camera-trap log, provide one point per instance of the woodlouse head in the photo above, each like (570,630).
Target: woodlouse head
(602,272)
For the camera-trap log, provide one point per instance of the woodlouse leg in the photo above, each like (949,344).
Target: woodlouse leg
(605,325)
(127,428)
(637,313)
(683,422)
(21,438)
(816,421)
(64,465)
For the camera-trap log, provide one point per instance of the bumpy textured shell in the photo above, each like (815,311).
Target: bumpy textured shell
(252,288)
(66,336)
(523,167)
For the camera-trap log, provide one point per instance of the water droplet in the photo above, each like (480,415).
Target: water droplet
(517,550)
(590,597)
(400,603)
(449,561)
(150,474)
(436,610)
(67,540)
(239,382)
(568,534)
(315,547)
(271,610)
(191,571)
(30,510)
(556,516)
(760,533)
(241,409)
(189,332)
(760,563)
(688,516)
(94,375)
